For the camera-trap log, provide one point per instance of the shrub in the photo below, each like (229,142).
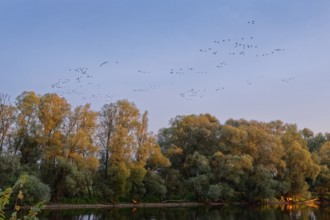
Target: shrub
(35,191)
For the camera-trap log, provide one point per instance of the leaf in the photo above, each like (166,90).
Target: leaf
(20,195)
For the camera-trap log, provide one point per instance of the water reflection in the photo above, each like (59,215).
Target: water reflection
(196,213)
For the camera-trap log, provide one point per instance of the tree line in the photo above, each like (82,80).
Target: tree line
(81,155)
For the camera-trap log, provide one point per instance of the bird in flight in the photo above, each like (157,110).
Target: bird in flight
(102,64)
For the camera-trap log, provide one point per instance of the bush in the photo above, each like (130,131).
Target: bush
(215,192)
(154,184)
(9,170)
(35,191)
(5,197)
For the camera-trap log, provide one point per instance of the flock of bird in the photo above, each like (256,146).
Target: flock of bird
(192,94)
(183,71)
(81,82)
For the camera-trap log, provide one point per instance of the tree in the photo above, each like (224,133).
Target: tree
(136,186)
(299,164)
(117,131)
(127,147)
(73,152)
(307,133)
(6,119)
(79,149)
(9,169)
(118,176)
(195,164)
(106,130)
(231,169)
(232,140)
(117,135)
(174,182)
(52,112)
(220,192)
(5,200)
(27,129)
(199,186)
(324,153)
(154,184)
(314,143)
(157,159)
(261,141)
(322,183)
(189,134)
(262,184)
(35,191)
(78,132)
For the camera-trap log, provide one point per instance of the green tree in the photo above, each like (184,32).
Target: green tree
(314,143)
(27,129)
(154,184)
(127,148)
(118,178)
(189,134)
(199,186)
(220,192)
(324,153)
(322,183)
(5,200)
(307,133)
(174,182)
(196,164)
(35,191)
(262,184)
(232,140)
(299,164)
(9,170)
(231,169)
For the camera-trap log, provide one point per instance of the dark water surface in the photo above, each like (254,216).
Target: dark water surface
(194,213)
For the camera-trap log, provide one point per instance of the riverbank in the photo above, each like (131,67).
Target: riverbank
(165,205)
(127,205)
(247,212)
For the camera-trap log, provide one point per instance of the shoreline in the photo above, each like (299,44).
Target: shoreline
(121,205)
(165,205)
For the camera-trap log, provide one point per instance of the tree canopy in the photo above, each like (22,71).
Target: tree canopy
(109,155)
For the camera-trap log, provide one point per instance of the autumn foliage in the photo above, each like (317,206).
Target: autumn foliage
(109,155)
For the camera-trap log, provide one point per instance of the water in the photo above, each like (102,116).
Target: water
(195,213)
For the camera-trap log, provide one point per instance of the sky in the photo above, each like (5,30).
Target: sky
(258,60)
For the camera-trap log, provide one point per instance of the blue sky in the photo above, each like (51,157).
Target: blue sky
(257,59)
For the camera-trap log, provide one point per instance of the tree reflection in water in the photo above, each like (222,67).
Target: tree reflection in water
(283,212)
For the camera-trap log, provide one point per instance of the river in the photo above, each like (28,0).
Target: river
(194,213)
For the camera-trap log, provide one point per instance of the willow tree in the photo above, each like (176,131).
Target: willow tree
(263,144)
(189,134)
(231,172)
(300,165)
(322,183)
